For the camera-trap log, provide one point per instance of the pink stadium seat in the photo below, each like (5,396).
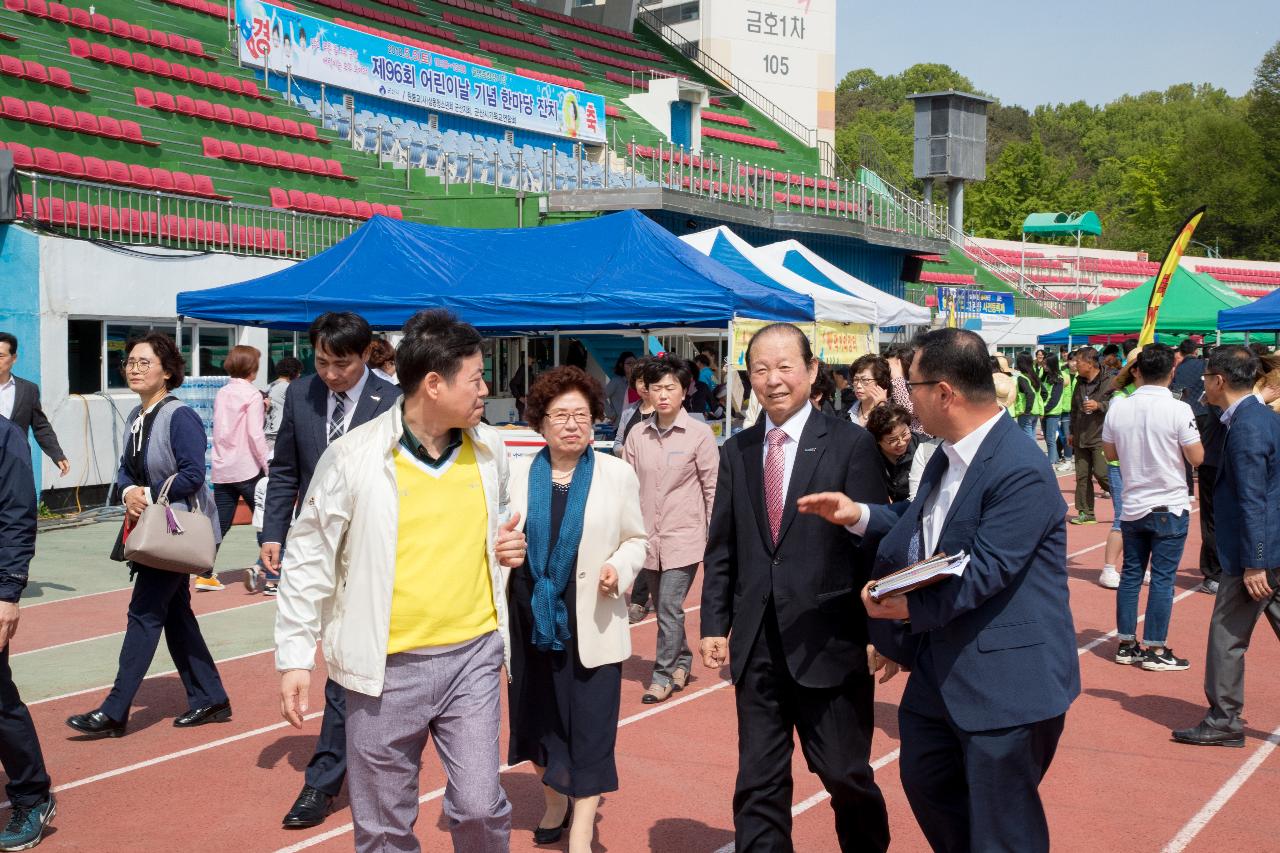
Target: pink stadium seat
(214,79)
(258,121)
(291,127)
(131,132)
(182,183)
(279,198)
(194,47)
(14,108)
(204,109)
(240,117)
(120,28)
(61,78)
(110,127)
(363,209)
(138,33)
(251,88)
(79,47)
(46,160)
(80,18)
(211,147)
(268,157)
(348,207)
(161,68)
(379,209)
(41,113)
(59,13)
(144,97)
(70,164)
(309,132)
(333,169)
(315,202)
(231,151)
(249,154)
(163,179)
(164,101)
(218,233)
(178,71)
(197,76)
(100,23)
(37,8)
(316,166)
(108,218)
(158,38)
(298,200)
(22,156)
(285,160)
(140,176)
(142,62)
(95,169)
(100,52)
(118,173)
(222,113)
(233,85)
(12,66)
(33,70)
(51,210)
(121,57)
(274,124)
(204,186)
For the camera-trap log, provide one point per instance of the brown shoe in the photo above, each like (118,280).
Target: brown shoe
(679,678)
(656,693)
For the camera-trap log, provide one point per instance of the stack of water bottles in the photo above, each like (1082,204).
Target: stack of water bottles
(199,394)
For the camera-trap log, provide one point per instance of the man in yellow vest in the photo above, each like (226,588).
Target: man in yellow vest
(397,554)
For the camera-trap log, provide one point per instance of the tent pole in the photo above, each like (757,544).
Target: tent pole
(555,342)
(1218,338)
(731,364)
(524,366)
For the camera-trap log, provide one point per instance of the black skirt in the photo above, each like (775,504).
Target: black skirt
(564,716)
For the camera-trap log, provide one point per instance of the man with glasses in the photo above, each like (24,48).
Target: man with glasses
(20,403)
(1247,502)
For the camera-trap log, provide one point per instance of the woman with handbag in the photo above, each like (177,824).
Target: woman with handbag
(163,462)
(569,631)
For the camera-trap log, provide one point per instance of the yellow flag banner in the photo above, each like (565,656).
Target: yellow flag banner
(1180,243)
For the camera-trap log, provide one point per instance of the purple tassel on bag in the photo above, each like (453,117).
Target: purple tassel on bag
(175,529)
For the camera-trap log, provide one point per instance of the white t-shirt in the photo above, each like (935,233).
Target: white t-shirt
(1149,428)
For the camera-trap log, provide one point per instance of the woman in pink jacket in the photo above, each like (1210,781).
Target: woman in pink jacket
(239,444)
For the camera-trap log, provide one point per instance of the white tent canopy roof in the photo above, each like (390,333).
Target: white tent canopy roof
(892,310)
(828,304)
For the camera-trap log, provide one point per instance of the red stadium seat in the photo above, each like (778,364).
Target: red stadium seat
(12,66)
(79,47)
(51,210)
(144,97)
(110,127)
(61,78)
(100,52)
(108,218)
(138,33)
(279,198)
(204,109)
(59,13)
(222,113)
(240,117)
(316,166)
(163,179)
(258,121)
(14,108)
(185,105)
(274,124)
(142,62)
(165,102)
(291,127)
(231,151)
(267,157)
(285,160)
(38,8)
(178,71)
(41,113)
(204,186)
(33,70)
(70,164)
(158,38)
(161,68)
(120,28)
(80,18)
(379,209)
(309,132)
(211,147)
(348,207)
(95,169)
(251,88)
(183,183)
(316,203)
(249,154)
(298,200)
(131,132)
(118,173)
(140,176)
(333,169)
(394,211)
(218,233)
(232,84)
(194,47)
(363,209)
(100,23)
(198,76)
(46,160)
(22,156)
(121,57)
(214,79)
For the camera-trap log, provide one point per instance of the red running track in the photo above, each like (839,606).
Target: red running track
(1118,781)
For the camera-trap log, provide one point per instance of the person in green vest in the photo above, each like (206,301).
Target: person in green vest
(1030,405)
(1068,392)
(1114,550)
(1054,395)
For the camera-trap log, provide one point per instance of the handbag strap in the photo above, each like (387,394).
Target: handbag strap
(163,497)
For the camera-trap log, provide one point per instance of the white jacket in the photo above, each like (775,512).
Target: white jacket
(613,533)
(340,558)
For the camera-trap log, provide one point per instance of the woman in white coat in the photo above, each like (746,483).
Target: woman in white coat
(569,629)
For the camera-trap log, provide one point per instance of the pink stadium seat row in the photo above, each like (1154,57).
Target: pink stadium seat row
(709,185)
(668,156)
(76,121)
(158,67)
(410,40)
(639,53)
(8,37)
(387,18)
(12,66)
(1241,275)
(725,118)
(204,7)
(86,20)
(403,5)
(243,152)
(531,56)
(221,113)
(1252,292)
(819,203)
(946,278)
(741,138)
(495,29)
(1120,283)
(932,259)
(69,165)
(808,181)
(613,112)
(566,19)
(1109,265)
(624,64)
(627,79)
(483,9)
(571,82)
(327,205)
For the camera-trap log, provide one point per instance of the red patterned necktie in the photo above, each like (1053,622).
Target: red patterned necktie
(774,474)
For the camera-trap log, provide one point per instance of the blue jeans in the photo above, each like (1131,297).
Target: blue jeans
(1028,425)
(1158,537)
(1051,423)
(1117,494)
(1064,430)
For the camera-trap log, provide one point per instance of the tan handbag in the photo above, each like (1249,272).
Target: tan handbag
(174,540)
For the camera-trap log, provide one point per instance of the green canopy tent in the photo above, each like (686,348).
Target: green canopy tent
(1057,225)
(1190,306)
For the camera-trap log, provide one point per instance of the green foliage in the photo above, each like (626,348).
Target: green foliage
(1142,162)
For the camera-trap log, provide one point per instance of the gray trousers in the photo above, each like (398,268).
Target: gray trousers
(1234,615)
(454,699)
(673,646)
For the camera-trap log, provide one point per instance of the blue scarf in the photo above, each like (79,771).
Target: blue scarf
(552,567)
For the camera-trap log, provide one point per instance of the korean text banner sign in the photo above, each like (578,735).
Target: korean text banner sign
(981,303)
(338,56)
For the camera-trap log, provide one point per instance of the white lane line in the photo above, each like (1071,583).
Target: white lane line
(121,633)
(166,672)
(1111,635)
(338,831)
(27,606)
(1223,796)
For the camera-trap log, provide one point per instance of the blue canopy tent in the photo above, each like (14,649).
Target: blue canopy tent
(621,271)
(1260,316)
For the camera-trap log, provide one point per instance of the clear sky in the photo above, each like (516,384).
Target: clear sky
(1035,52)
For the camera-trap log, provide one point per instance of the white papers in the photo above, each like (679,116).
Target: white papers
(920,574)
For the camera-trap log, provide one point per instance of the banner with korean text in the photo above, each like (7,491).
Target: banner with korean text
(315,49)
(833,343)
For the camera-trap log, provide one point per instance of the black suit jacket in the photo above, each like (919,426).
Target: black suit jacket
(303,438)
(28,415)
(17,511)
(815,573)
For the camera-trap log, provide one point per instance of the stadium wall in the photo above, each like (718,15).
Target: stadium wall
(20,307)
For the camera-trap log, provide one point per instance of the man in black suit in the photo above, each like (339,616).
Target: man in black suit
(780,604)
(341,395)
(20,403)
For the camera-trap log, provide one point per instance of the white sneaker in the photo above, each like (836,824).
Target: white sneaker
(1110,578)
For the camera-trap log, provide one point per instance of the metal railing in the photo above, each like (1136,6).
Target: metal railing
(147,217)
(742,88)
(1023,306)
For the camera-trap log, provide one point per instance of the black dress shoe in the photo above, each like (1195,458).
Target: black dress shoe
(542,835)
(1206,735)
(219,713)
(310,809)
(97,723)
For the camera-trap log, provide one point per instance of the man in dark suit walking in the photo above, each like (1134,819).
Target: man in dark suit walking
(780,604)
(1246,506)
(342,395)
(20,403)
(992,653)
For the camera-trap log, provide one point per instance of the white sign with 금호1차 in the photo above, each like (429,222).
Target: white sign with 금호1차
(347,59)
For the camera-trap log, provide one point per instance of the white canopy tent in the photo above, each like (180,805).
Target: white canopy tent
(799,260)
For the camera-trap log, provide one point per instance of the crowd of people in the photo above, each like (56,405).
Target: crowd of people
(400,540)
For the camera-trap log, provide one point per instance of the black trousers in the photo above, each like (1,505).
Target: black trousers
(226,495)
(974,791)
(161,602)
(328,766)
(640,589)
(20,753)
(834,727)
(1209,565)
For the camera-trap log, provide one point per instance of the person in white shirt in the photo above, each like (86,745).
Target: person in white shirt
(1150,433)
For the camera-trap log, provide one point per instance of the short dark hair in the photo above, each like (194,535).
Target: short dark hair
(435,341)
(885,418)
(806,349)
(959,358)
(1129,345)
(1110,349)
(825,383)
(620,366)
(903,353)
(1188,347)
(1089,354)
(6,338)
(289,367)
(341,332)
(166,350)
(380,352)
(556,382)
(1260,350)
(702,359)
(664,365)
(242,361)
(877,365)
(637,370)
(1052,366)
(1155,362)
(1237,365)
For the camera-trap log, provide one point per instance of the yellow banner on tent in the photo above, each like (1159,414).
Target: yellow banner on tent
(833,343)
(1176,249)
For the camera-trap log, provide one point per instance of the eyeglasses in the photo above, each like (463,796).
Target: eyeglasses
(911,386)
(1211,373)
(559,419)
(859,380)
(141,365)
